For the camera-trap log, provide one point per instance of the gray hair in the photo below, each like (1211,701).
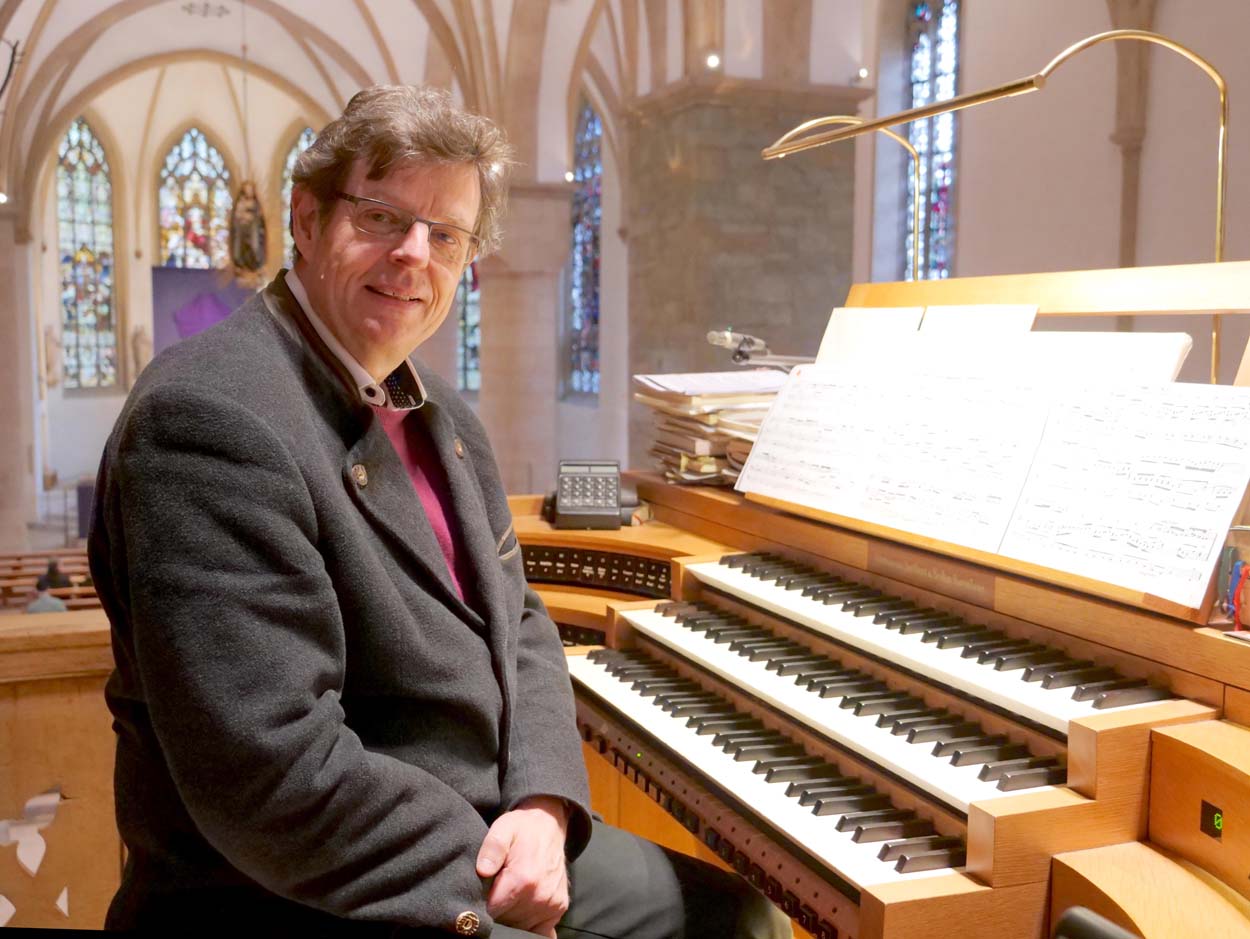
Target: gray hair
(389,124)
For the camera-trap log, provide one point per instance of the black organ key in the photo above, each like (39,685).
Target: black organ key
(736,560)
(885,830)
(852,604)
(948,747)
(884,605)
(999,768)
(895,706)
(943,733)
(1092,689)
(793,664)
(909,627)
(802,761)
(897,849)
(985,650)
(817,673)
(1041,655)
(820,770)
(1032,778)
(754,752)
(840,805)
(702,710)
(705,726)
(853,820)
(1042,672)
(896,618)
(1069,679)
(841,688)
(961,640)
(931,860)
(1124,696)
(972,756)
(760,639)
(799,581)
(729,736)
(882,696)
(889,719)
(653,686)
(810,796)
(725,636)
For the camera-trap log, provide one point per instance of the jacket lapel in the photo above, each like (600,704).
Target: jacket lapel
(372,471)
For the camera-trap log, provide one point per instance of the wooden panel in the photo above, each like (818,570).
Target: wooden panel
(1011,840)
(653,539)
(942,907)
(1173,288)
(57,734)
(1193,763)
(605,785)
(1237,705)
(1148,892)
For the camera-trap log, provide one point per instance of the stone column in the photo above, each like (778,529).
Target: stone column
(720,238)
(521,302)
(17,453)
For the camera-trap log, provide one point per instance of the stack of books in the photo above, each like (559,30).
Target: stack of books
(705,422)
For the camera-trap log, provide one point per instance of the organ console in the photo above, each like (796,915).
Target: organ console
(896,742)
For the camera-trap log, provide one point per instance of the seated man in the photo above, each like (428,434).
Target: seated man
(340,709)
(43,601)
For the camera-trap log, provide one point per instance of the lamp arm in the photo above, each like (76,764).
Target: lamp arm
(903,142)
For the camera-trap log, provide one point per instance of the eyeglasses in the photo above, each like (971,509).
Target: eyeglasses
(450,244)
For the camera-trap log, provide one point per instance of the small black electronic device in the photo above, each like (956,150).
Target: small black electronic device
(588,495)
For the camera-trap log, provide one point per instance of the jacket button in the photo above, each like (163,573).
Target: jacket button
(360,474)
(459,447)
(467,923)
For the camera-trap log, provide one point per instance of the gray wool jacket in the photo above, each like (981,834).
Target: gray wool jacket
(314,730)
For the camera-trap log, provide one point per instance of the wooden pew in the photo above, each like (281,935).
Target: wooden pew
(55,732)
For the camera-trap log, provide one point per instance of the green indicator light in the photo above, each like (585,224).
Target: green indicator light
(637,756)
(1219,821)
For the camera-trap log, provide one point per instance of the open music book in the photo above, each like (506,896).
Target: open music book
(1131,486)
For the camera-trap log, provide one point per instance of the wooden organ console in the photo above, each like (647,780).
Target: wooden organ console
(894,742)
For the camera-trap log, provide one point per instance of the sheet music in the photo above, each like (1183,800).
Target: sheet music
(1128,486)
(944,456)
(979,320)
(1137,487)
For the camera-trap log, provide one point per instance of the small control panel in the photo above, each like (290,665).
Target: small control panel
(626,573)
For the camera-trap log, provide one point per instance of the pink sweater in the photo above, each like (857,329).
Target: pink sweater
(413,446)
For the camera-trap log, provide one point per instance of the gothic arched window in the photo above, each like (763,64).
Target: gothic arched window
(84,212)
(581,326)
(469,348)
(302,143)
(933,63)
(194,201)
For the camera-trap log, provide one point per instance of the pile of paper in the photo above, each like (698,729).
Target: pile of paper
(705,422)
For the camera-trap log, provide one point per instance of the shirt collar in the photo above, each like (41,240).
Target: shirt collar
(401,390)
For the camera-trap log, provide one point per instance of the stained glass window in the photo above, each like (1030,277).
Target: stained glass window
(582,317)
(194,203)
(469,348)
(934,71)
(306,137)
(84,209)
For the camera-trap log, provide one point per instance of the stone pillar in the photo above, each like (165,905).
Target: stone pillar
(720,238)
(17,453)
(521,302)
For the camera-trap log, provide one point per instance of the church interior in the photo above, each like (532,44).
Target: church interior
(146,148)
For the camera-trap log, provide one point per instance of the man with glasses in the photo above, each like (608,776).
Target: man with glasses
(340,710)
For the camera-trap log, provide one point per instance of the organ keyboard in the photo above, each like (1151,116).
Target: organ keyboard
(885,740)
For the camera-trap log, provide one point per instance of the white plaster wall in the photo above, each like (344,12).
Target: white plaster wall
(1038,179)
(601,430)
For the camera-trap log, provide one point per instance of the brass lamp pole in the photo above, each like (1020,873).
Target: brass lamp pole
(786,145)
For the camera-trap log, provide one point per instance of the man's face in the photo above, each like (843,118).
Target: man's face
(382,297)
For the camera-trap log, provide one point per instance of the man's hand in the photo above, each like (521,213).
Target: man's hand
(524,853)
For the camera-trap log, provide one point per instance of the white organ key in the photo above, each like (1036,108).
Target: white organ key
(1052,708)
(855,862)
(957,786)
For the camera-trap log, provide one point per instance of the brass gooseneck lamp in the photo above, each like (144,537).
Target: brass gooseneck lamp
(793,143)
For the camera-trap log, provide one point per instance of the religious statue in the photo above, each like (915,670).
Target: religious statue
(247,235)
